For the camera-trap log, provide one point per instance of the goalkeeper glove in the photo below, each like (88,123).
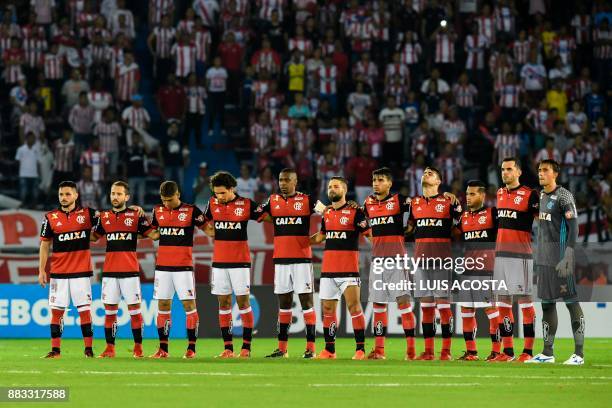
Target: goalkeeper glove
(565,268)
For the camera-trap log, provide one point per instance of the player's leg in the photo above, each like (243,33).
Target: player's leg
(132,294)
(310,319)
(502,272)
(221,286)
(493,316)
(379,322)
(111,296)
(59,299)
(578,326)
(329,293)
(184,284)
(525,304)
(284,290)
(468,319)
(446,321)
(163,292)
(428,315)
(240,280)
(80,292)
(353,303)
(408,324)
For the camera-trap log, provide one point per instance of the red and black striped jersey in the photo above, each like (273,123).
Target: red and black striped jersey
(386,218)
(176,230)
(230,220)
(516,209)
(341,228)
(479,229)
(291,219)
(70,232)
(121,229)
(433,220)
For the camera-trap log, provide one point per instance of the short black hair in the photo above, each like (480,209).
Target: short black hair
(477,183)
(288,170)
(67,183)
(383,171)
(435,170)
(123,184)
(223,179)
(168,188)
(516,160)
(340,179)
(553,163)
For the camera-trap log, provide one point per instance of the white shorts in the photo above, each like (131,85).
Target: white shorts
(181,282)
(333,288)
(114,288)
(62,290)
(224,281)
(517,274)
(296,278)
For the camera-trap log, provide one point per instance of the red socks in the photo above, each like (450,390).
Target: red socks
(468,317)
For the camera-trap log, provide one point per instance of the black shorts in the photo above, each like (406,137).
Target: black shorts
(551,286)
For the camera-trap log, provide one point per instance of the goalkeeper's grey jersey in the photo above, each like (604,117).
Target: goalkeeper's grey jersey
(556,208)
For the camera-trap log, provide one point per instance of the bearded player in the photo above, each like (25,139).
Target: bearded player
(341,226)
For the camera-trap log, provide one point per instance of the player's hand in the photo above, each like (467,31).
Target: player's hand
(141,211)
(352,204)
(565,268)
(452,197)
(42,278)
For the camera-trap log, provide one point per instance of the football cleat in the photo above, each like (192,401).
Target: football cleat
(502,358)
(492,356)
(469,356)
(160,354)
(445,355)
(410,355)
(524,357)
(109,352)
(52,354)
(278,354)
(189,354)
(326,355)
(541,359)
(138,351)
(376,355)
(309,354)
(574,359)
(244,353)
(226,354)
(359,355)
(425,356)
(88,352)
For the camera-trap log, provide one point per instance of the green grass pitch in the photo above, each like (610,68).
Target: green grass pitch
(294,382)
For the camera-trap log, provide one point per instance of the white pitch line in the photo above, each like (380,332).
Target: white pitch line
(193,373)
(21,372)
(191,385)
(526,377)
(396,385)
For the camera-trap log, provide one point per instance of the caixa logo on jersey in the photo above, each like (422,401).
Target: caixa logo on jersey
(237,319)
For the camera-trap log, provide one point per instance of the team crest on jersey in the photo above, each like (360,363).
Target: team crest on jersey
(344,220)
(298,206)
(439,208)
(550,205)
(80,219)
(390,205)
(482,220)
(128,222)
(518,200)
(182,217)
(238,212)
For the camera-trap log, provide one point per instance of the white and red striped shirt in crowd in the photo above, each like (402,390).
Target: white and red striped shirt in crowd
(159,8)
(397,90)
(520,51)
(164,38)
(500,67)
(411,52)
(5,43)
(202,42)
(136,117)
(450,167)
(283,132)
(602,48)
(381,25)
(186,26)
(486,27)
(507,145)
(109,134)
(303,140)
(564,47)
(99,53)
(475,46)
(97,160)
(420,143)
(266,7)
(363,33)
(266,59)
(15,57)
(412,178)
(538,118)
(582,87)
(328,48)
(127,78)
(445,48)
(453,130)
(81,118)
(261,137)
(577,161)
(196,99)
(259,90)
(85,24)
(184,58)
(328,76)
(345,143)
(63,153)
(400,70)
(302,44)
(30,123)
(509,96)
(99,100)
(548,154)
(465,95)
(103,32)
(272,104)
(367,69)
(34,48)
(582,26)
(33,30)
(504,19)
(115,59)
(53,65)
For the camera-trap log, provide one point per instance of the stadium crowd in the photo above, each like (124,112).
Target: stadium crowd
(326,87)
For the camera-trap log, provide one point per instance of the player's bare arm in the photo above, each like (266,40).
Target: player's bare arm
(43,253)
(317,238)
